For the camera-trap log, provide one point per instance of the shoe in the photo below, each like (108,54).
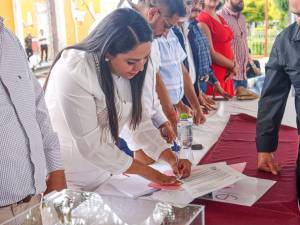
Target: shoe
(245,94)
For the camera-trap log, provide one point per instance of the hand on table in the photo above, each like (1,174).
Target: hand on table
(220,90)
(208,103)
(199,117)
(265,162)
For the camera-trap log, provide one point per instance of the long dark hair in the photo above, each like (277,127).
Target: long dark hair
(119,32)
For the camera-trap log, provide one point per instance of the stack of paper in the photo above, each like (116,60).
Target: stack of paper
(211,177)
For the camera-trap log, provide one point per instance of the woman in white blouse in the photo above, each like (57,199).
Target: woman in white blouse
(93,90)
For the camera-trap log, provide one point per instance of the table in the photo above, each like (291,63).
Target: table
(279,205)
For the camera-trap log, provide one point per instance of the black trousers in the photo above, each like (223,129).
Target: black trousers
(29,52)
(44,49)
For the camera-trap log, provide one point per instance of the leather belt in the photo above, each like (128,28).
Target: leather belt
(24,200)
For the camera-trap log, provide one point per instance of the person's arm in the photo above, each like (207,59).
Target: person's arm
(190,94)
(56,177)
(218,58)
(270,111)
(158,117)
(165,101)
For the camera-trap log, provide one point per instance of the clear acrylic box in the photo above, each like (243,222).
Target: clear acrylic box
(86,208)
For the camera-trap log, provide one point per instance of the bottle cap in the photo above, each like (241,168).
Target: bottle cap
(184,116)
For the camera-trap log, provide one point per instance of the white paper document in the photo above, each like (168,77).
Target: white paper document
(211,177)
(244,192)
(132,186)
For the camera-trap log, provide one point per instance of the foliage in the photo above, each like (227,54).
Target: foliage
(255,11)
(283,5)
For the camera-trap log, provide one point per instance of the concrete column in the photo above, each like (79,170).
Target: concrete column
(18,21)
(58,25)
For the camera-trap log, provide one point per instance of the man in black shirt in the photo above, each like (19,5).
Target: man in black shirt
(253,67)
(282,71)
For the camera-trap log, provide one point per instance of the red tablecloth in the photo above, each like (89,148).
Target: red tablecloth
(279,205)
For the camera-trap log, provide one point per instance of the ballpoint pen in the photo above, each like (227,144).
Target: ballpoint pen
(176,149)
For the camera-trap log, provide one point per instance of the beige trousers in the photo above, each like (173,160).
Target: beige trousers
(9,212)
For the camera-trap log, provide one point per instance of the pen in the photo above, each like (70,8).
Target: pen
(177,154)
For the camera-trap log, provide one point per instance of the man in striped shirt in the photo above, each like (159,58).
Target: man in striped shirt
(30,161)
(232,13)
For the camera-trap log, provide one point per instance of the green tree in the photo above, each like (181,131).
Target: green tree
(255,11)
(283,5)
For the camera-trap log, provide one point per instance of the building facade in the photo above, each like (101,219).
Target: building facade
(65,22)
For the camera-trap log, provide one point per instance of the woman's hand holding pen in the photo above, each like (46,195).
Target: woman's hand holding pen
(182,168)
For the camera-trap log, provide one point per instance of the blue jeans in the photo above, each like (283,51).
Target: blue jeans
(203,86)
(259,83)
(240,83)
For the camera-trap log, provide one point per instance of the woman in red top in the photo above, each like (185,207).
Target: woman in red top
(220,36)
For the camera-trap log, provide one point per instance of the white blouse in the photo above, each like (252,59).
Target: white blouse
(78,113)
(147,136)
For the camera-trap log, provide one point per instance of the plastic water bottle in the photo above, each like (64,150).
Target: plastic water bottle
(185,136)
